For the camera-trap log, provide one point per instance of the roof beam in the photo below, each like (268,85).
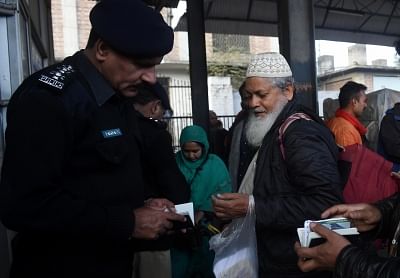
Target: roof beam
(390,17)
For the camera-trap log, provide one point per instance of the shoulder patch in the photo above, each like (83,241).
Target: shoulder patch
(56,77)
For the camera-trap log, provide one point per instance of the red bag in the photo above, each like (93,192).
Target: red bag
(369,178)
(365,174)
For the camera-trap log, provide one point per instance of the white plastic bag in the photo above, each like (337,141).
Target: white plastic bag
(236,248)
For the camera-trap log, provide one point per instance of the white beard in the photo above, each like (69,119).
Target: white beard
(258,127)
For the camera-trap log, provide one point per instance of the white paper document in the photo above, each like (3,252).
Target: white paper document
(186,208)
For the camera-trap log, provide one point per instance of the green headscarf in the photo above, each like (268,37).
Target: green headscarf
(196,134)
(207,175)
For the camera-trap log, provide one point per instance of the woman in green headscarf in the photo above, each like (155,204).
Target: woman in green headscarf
(206,174)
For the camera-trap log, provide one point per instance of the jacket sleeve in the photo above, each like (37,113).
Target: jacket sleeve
(390,211)
(390,136)
(356,263)
(313,177)
(39,139)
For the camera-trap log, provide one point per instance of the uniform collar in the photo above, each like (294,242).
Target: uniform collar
(100,87)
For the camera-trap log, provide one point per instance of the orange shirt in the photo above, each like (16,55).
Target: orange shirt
(345,133)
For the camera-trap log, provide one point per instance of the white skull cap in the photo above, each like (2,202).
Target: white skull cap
(269,64)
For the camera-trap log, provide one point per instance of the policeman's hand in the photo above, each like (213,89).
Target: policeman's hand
(160,204)
(151,223)
(364,217)
(324,255)
(230,205)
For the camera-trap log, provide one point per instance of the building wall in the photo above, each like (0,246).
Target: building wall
(220,95)
(390,82)
(180,72)
(334,84)
(180,51)
(369,81)
(84,26)
(69,14)
(58,24)
(263,44)
(71,25)
(357,54)
(373,80)
(385,80)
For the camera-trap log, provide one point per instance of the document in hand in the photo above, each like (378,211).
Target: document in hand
(340,225)
(185,209)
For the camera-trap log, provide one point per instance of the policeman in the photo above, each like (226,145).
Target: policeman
(71,182)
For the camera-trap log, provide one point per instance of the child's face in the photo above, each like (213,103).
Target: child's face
(192,151)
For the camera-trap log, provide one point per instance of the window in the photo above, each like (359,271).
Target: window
(225,43)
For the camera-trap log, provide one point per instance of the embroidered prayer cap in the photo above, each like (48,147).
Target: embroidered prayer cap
(132,28)
(268,64)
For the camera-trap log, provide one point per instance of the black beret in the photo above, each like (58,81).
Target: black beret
(162,95)
(132,28)
(149,92)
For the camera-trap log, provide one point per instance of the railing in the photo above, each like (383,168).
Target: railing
(176,124)
(180,99)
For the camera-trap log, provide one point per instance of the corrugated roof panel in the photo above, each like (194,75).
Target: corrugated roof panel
(346,20)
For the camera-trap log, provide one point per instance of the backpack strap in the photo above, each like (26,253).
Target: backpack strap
(289,120)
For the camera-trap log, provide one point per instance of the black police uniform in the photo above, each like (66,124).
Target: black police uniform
(71,175)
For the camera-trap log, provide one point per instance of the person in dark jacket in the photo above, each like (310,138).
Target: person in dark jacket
(240,153)
(292,184)
(380,220)
(389,136)
(71,184)
(161,174)
(217,137)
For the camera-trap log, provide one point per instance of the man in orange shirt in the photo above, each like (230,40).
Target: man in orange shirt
(346,127)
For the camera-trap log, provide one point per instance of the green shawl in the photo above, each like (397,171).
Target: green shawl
(208,175)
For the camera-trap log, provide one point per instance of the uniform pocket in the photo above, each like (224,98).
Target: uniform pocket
(113,150)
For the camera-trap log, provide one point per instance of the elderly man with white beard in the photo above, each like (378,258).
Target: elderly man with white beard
(295,179)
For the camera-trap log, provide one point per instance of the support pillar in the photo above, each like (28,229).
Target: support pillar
(297,44)
(198,62)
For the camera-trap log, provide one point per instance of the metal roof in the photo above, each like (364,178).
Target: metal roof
(377,70)
(359,21)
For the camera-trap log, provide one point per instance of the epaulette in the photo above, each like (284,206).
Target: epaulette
(57,77)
